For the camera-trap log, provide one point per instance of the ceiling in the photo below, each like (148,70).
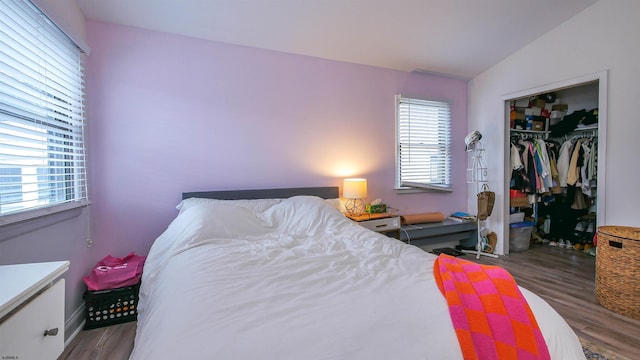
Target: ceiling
(457,38)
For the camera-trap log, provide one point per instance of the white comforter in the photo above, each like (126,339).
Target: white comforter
(297,281)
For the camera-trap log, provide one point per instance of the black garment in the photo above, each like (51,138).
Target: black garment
(568,123)
(531,174)
(563,218)
(520,181)
(519,178)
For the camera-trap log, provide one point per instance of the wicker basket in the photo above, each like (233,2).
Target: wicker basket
(618,270)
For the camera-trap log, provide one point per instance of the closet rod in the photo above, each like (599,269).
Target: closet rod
(524,136)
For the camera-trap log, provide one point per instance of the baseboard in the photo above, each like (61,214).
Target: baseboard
(73,325)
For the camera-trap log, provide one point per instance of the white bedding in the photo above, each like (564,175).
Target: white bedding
(298,281)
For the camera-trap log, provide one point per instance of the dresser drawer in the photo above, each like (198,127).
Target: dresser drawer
(22,334)
(385,224)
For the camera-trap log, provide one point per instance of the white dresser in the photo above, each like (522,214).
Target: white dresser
(32,310)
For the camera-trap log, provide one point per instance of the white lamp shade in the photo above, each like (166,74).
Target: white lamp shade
(354,188)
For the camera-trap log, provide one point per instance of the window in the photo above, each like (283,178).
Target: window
(423,144)
(42,151)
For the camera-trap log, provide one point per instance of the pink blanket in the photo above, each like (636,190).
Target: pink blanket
(491,317)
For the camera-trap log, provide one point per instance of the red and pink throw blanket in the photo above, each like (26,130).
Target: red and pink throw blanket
(491,317)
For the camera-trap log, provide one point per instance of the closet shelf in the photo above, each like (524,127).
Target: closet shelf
(587,128)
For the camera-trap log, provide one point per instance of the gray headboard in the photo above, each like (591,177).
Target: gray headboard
(329,192)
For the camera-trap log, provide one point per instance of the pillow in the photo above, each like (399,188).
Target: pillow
(255,205)
(199,224)
(305,215)
(336,204)
(227,221)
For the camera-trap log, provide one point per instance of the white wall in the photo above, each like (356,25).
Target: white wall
(602,37)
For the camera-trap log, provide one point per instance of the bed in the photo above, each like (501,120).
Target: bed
(282,274)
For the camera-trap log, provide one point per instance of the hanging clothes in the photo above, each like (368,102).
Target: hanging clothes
(532,175)
(536,175)
(563,162)
(573,172)
(520,179)
(584,180)
(516,160)
(558,177)
(536,172)
(593,160)
(545,163)
(555,175)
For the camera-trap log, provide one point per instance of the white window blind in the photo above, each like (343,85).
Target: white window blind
(42,151)
(423,144)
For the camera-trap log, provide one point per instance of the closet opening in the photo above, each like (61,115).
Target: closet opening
(554,168)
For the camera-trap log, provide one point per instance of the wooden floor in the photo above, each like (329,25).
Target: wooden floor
(564,278)
(113,342)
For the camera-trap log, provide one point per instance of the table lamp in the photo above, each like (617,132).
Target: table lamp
(354,190)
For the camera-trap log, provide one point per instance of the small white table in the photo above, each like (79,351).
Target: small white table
(32,310)
(382,223)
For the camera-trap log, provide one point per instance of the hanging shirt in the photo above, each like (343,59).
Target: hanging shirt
(525,155)
(516,161)
(586,188)
(531,169)
(555,187)
(592,172)
(563,162)
(519,178)
(545,173)
(573,173)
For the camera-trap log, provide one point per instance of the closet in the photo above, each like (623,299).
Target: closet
(553,163)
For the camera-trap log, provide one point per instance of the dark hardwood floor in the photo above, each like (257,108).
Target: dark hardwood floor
(564,278)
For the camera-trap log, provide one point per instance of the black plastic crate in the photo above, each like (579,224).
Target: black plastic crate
(109,307)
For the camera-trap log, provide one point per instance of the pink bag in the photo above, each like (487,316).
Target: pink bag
(113,273)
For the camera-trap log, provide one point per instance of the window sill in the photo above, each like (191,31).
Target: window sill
(407,190)
(20,224)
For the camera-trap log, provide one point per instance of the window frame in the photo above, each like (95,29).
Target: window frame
(419,186)
(61,122)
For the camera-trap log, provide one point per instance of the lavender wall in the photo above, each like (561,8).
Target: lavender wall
(170,114)
(65,240)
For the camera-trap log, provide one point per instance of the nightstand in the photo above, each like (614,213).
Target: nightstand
(382,223)
(32,310)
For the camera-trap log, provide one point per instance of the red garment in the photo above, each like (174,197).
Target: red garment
(113,273)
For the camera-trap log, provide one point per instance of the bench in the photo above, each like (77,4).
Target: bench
(447,233)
